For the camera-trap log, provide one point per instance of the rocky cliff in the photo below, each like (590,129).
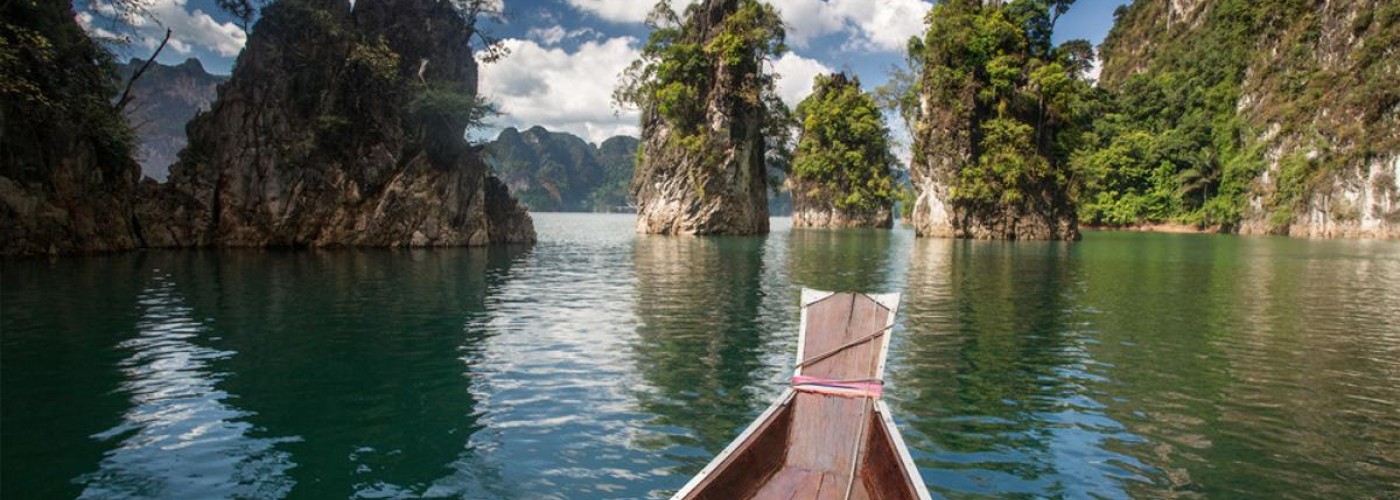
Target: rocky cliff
(999,103)
(164,99)
(67,179)
(560,172)
(705,101)
(340,126)
(1312,85)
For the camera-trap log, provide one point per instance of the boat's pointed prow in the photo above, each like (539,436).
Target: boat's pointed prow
(829,435)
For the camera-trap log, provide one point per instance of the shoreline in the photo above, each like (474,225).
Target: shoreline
(1161,227)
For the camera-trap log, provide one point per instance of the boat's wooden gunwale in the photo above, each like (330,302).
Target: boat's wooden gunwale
(738,444)
(911,471)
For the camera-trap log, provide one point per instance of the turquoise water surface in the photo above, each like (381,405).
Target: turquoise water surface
(603,364)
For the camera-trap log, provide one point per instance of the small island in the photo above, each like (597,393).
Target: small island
(708,106)
(842,170)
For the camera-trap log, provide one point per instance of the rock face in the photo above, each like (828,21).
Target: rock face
(678,193)
(1316,88)
(164,100)
(826,216)
(1362,201)
(340,127)
(67,179)
(714,182)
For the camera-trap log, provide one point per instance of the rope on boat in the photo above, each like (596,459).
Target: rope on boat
(860,388)
(865,406)
(845,346)
(868,390)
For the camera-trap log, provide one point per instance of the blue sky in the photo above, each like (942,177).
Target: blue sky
(566,53)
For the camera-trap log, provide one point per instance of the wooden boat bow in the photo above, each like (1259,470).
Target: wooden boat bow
(829,435)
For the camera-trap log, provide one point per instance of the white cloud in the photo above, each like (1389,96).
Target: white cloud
(571,91)
(554,34)
(871,25)
(795,76)
(189,29)
(622,11)
(562,90)
(548,36)
(85,19)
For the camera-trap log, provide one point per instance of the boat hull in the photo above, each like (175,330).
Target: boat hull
(830,436)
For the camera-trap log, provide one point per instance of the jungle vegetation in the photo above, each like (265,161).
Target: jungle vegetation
(843,157)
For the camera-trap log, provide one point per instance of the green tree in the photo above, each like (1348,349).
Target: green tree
(678,66)
(900,94)
(843,156)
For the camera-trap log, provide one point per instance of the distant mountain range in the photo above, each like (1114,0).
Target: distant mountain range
(560,172)
(165,98)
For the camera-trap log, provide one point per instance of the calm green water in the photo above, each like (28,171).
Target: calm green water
(602,364)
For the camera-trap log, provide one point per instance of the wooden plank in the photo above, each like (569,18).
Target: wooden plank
(881,471)
(791,483)
(822,436)
(837,321)
(910,471)
(827,430)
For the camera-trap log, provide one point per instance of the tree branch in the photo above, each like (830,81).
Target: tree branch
(126,94)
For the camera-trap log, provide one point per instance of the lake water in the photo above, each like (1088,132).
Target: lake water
(602,364)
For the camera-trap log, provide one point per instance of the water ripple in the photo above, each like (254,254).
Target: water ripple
(602,364)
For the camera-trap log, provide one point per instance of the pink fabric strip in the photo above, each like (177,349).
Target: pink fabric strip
(845,388)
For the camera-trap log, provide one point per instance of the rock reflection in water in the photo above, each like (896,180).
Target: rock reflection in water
(997,378)
(699,343)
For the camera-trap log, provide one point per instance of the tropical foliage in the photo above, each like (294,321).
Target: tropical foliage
(843,155)
(680,62)
(990,69)
(1173,142)
(56,89)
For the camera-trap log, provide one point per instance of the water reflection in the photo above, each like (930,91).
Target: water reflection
(859,260)
(58,374)
(179,416)
(1006,399)
(360,356)
(553,377)
(600,364)
(1256,374)
(699,342)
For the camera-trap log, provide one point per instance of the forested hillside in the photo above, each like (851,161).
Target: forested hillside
(1276,117)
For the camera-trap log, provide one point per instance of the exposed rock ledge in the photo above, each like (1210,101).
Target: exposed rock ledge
(1356,203)
(935,217)
(833,218)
